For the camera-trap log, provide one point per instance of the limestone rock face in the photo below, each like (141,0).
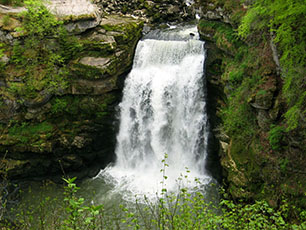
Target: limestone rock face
(74,8)
(80,15)
(100,63)
(72,127)
(150,11)
(259,159)
(211,10)
(8,9)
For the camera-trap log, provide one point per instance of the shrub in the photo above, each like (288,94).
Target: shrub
(41,64)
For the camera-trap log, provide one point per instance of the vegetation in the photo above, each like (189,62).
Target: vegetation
(284,20)
(263,113)
(186,209)
(1,55)
(43,70)
(40,59)
(26,133)
(12,2)
(275,136)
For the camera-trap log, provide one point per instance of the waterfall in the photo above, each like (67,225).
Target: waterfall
(162,112)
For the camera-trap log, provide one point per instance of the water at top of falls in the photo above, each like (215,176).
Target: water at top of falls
(175,33)
(163,111)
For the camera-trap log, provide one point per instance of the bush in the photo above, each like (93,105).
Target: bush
(40,57)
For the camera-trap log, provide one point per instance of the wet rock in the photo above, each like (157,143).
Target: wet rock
(8,23)
(214,12)
(76,8)
(8,109)
(275,111)
(103,38)
(10,9)
(38,113)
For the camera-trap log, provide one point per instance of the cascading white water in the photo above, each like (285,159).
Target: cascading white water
(162,112)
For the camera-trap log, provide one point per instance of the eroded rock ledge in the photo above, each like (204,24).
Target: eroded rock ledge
(73,128)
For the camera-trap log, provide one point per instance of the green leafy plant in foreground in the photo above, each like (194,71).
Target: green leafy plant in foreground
(186,209)
(78,213)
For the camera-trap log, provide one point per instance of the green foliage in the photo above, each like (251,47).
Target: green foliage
(81,106)
(38,20)
(27,133)
(224,35)
(12,2)
(283,164)
(27,129)
(41,58)
(238,117)
(79,215)
(59,106)
(185,209)
(253,216)
(285,21)
(6,20)
(1,55)
(1,50)
(276,134)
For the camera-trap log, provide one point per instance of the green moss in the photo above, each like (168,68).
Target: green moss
(28,129)
(223,35)
(74,18)
(276,135)
(79,70)
(82,107)
(98,47)
(25,133)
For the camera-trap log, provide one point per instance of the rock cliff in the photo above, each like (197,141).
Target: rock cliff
(258,157)
(45,130)
(70,127)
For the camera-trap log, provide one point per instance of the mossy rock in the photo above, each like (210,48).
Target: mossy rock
(221,34)
(127,28)
(8,22)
